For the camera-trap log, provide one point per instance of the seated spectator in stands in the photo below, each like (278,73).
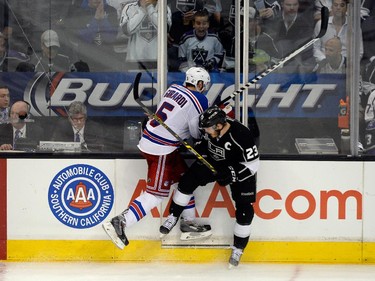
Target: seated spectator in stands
(9,59)
(337,27)
(18,131)
(77,128)
(292,30)
(182,22)
(334,61)
(200,47)
(50,59)
(4,103)
(139,21)
(262,49)
(93,29)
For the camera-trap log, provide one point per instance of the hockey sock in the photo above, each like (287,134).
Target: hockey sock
(189,212)
(241,235)
(140,207)
(179,202)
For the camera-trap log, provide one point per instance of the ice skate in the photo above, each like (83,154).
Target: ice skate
(115,231)
(168,224)
(190,230)
(235,257)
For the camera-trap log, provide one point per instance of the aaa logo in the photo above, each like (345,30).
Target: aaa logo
(80,196)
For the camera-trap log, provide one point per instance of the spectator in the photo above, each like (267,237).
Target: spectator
(337,27)
(9,59)
(17,130)
(328,3)
(200,47)
(93,26)
(262,48)
(139,21)
(334,61)
(77,128)
(50,59)
(4,103)
(293,29)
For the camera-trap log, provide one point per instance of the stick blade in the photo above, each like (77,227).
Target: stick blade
(324,21)
(136,85)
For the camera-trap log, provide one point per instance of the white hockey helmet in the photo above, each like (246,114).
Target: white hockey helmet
(196,74)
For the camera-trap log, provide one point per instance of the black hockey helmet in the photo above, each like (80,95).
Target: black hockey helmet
(211,117)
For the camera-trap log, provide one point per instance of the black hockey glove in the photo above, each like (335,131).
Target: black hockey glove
(201,147)
(210,64)
(226,176)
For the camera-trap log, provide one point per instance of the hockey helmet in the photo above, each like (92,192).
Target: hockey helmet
(196,74)
(211,117)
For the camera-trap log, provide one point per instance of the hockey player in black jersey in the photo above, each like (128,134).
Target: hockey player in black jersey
(231,149)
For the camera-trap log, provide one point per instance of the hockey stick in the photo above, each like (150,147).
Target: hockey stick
(323,28)
(161,122)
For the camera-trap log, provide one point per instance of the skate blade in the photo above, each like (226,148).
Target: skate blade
(111,232)
(195,235)
(231,266)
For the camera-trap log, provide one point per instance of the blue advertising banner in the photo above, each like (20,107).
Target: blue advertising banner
(110,94)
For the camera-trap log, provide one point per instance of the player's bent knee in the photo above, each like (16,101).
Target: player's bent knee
(244,214)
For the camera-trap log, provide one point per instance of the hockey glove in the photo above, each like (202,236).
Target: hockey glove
(201,147)
(226,176)
(210,64)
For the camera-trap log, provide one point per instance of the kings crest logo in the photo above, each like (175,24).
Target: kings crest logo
(80,196)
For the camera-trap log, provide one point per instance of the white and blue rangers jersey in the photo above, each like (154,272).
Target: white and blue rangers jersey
(197,52)
(141,25)
(179,108)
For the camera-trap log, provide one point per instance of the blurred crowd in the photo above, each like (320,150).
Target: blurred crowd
(121,35)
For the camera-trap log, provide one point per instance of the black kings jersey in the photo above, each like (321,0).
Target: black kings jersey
(235,148)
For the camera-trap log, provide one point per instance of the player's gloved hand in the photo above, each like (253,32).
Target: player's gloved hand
(226,176)
(182,149)
(201,147)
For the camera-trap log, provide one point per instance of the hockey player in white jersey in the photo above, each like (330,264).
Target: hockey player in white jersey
(179,108)
(139,21)
(231,149)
